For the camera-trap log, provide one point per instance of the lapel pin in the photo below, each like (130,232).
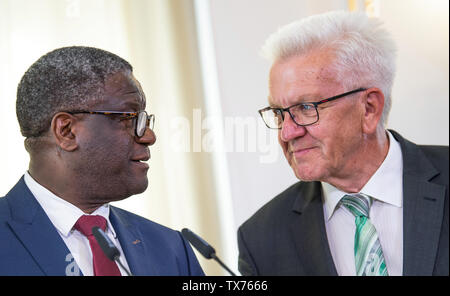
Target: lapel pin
(136,242)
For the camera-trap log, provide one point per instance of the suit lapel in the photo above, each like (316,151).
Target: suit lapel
(132,244)
(36,232)
(422,217)
(308,230)
(423,210)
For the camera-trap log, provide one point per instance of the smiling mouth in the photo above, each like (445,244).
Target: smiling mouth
(141,163)
(141,160)
(301,152)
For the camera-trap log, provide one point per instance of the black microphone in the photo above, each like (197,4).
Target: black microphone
(108,248)
(203,247)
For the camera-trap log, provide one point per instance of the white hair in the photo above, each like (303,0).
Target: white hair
(364,51)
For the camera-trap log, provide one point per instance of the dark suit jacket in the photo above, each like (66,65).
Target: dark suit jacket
(31,245)
(287,236)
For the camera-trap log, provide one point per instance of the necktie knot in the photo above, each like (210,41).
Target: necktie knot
(86,222)
(358,204)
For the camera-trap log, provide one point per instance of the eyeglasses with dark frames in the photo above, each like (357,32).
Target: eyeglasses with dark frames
(303,114)
(141,119)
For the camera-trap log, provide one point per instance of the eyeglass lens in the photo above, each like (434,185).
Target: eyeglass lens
(303,114)
(143,121)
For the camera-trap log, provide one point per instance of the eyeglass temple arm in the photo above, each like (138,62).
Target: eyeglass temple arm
(338,96)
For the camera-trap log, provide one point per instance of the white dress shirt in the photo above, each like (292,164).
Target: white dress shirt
(386,214)
(64,215)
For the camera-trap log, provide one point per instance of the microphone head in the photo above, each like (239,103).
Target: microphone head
(105,244)
(203,247)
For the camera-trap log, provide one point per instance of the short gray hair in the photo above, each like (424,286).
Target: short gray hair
(65,79)
(365,52)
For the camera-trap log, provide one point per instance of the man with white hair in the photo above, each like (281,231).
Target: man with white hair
(369,202)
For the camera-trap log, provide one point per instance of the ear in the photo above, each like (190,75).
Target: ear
(373,107)
(63,128)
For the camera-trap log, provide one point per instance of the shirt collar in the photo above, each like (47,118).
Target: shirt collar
(331,196)
(385,185)
(61,213)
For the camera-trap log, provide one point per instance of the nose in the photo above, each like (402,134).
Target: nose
(290,130)
(148,138)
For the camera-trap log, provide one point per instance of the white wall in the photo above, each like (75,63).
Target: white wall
(420,94)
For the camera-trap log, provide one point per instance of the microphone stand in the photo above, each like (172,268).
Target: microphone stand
(213,255)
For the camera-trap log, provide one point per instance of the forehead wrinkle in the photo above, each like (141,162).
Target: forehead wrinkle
(124,84)
(131,104)
(299,74)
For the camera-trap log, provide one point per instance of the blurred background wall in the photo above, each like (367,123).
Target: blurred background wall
(214,163)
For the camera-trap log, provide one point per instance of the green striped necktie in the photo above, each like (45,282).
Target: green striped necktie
(369,259)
